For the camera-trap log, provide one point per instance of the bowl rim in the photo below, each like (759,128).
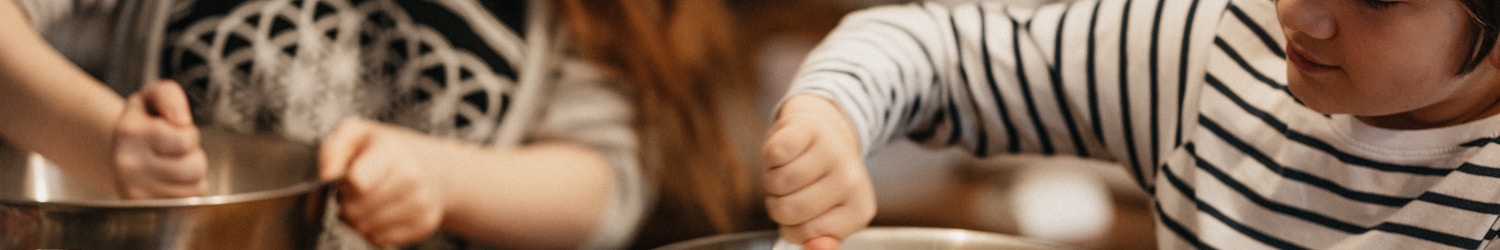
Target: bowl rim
(195,201)
(872,231)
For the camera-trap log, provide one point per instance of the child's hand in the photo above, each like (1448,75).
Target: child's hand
(817,181)
(385,194)
(157,154)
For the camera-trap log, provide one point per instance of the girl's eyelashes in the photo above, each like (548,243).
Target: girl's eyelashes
(1379,4)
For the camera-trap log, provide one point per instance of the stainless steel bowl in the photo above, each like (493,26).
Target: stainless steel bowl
(877,238)
(264,194)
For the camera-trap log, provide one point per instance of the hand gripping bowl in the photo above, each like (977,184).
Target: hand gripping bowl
(877,238)
(264,193)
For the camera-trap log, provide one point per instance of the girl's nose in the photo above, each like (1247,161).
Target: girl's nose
(1309,17)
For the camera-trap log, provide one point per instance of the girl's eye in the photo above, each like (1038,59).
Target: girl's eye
(1379,4)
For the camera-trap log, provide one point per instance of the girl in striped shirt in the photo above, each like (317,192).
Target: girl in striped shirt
(1343,124)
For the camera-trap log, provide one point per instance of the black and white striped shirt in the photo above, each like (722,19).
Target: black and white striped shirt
(1189,95)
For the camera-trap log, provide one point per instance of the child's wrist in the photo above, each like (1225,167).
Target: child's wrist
(808,103)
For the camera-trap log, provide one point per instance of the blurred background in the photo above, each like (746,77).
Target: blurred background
(1085,203)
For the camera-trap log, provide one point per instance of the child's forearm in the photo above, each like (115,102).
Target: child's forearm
(542,196)
(398,185)
(48,104)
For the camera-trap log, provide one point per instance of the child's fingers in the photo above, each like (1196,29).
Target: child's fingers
(186,170)
(853,213)
(398,223)
(370,217)
(162,136)
(154,159)
(165,177)
(822,243)
(391,187)
(786,143)
(796,175)
(369,177)
(840,222)
(845,184)
(170,140)
(167,99)
(400,235)
(160,190)
(348,140)
(390,207)
(808,203)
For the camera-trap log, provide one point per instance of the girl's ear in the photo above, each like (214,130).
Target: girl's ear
(1494,56)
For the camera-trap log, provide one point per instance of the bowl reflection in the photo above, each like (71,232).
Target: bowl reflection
(264,193)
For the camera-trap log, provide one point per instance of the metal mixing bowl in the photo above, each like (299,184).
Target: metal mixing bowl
(264,193)
(877,238)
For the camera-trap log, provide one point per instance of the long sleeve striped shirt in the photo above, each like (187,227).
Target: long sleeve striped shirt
(1188,95)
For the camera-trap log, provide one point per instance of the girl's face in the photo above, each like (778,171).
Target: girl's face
(1390,62)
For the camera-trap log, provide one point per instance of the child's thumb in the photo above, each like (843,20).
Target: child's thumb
(166,99)
(786,144)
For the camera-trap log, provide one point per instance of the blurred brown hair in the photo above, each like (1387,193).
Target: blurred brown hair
(681,61)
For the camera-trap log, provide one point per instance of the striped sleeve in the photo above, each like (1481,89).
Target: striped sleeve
(1102,79)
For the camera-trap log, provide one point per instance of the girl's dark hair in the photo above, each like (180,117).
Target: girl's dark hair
(1484,14)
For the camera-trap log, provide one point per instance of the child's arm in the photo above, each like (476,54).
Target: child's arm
(576,183)
(48,104)
(399,186)
(987,78)
(148,148)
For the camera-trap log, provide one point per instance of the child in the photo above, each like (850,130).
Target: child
(52,107)
(421,109)
(471,118)
(1342,124)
